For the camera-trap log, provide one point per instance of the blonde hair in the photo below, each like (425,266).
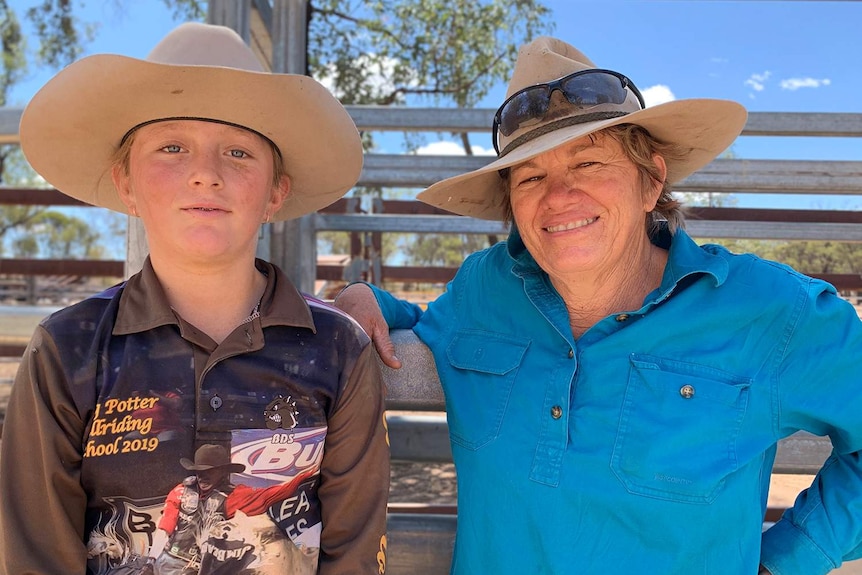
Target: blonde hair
(639,146)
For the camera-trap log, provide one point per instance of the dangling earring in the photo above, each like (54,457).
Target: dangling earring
(134,211)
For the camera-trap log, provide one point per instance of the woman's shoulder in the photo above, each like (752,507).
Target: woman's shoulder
(757,270)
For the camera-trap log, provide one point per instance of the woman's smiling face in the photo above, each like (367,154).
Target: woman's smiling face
(580,207)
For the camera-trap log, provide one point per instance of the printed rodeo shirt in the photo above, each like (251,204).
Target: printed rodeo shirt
(116,391)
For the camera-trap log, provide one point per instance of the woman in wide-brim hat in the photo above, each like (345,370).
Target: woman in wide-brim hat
(614,391)
(203,145)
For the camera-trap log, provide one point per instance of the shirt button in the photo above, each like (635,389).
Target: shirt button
(556,412)
(571,353)
(622,317)
(687,391)
(215,402)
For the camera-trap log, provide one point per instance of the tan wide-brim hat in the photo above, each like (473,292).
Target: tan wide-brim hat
(72,127)
(706,127)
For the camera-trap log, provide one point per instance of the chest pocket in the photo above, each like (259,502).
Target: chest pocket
(678,431)
(484,365)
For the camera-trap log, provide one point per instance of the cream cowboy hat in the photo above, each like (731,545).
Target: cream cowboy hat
(705,127)
(72,127)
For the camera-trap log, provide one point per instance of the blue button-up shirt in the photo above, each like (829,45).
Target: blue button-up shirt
(646,445)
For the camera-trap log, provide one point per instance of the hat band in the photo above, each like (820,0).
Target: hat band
(213,120)
(556,125)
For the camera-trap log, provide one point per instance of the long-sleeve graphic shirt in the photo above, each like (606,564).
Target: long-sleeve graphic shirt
(114,391)
(646,445)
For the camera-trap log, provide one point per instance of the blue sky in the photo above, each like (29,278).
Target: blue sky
(771,56)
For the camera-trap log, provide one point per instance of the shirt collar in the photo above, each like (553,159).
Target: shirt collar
(144,306)
(685,258)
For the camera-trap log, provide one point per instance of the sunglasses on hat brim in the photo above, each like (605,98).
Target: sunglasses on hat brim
(583,89)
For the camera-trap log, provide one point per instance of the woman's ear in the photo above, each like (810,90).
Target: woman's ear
(654,193)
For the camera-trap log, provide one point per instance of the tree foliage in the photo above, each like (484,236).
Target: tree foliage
(55,235)
(453,50)
(809,257)
(449,250)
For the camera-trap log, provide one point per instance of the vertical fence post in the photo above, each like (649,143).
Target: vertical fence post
(293,243)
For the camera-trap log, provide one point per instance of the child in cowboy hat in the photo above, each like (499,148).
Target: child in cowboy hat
(204,146)
(614,391)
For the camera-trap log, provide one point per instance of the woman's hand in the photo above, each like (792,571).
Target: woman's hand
(358,301)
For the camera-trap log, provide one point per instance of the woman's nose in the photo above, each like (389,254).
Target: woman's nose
(562,183)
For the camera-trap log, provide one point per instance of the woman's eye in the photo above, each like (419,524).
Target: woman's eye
(527,179)
(172,148)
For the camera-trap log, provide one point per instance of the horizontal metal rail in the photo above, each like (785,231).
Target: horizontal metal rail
(720,176)
(789,230)
(460,120)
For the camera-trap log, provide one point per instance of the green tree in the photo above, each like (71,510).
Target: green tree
(59,236)
(821,257)
(448,51)
(443,250)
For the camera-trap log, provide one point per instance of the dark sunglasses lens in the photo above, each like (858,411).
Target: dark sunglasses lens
(526,106)
(581,90)
(594,89)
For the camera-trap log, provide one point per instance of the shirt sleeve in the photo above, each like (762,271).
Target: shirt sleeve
(354,486)
(820,391)
(398,313)
(171,512)
(42,525)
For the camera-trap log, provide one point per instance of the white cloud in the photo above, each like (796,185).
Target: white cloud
(758,81)
(443,148)
(658,94)
(380,80)
(796,83)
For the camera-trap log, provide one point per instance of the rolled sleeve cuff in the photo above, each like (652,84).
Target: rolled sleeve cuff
(786,550)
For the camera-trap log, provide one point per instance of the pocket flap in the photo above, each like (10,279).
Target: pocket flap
(486,352)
